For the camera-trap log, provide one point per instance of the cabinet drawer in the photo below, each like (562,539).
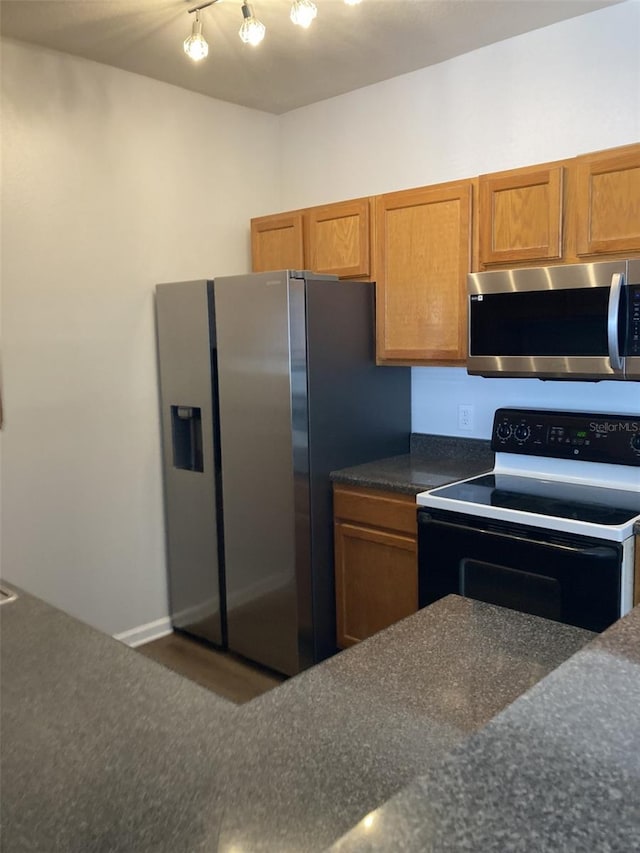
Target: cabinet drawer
(376,508)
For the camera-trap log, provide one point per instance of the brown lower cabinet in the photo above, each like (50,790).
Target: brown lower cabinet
(376,562)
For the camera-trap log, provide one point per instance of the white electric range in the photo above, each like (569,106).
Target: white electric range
(549,530)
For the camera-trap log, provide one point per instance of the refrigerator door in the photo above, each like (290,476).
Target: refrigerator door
(262,391)
(357,412)
(189,448)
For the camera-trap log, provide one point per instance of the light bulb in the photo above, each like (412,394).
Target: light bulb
(352,2)
(303,12)
(252,30)
(195,46)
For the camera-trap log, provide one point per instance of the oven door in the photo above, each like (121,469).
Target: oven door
(571,579)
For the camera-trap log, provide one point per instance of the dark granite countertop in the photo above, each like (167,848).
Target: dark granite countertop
(101,749)
(105,750)
(558,770)
(433,461)
(314,756)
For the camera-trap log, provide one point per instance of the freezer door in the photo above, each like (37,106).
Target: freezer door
(188,453)
(262,393)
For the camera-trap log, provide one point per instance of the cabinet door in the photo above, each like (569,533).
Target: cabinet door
(376,580)
(339,238)
(608,202)
(520,216)
(423,242)
(277,242)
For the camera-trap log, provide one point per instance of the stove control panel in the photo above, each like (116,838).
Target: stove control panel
(568,435)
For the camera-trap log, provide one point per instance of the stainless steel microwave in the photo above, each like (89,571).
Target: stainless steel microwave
(578,321)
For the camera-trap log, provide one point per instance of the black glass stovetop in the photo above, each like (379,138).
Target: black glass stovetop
(592,504)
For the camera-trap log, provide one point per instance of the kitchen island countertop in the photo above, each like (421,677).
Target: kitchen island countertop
(105,750)
(558,770)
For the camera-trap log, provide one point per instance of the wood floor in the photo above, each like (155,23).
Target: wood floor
(222,672)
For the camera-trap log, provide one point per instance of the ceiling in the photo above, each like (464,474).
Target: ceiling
(345,48)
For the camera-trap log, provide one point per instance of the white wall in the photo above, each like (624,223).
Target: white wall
(111,183)
(560,91)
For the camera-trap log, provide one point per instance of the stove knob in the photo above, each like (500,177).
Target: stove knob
(503,431)
(522,432)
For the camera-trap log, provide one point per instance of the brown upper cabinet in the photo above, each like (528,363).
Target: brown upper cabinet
(423,248)
(277,242)
(608,202)
(419,244)
(340,238)
(520,215)
(569,211)
(334,239)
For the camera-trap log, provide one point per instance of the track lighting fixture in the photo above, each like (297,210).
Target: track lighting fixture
(196,46)
(252,30)
(303,12)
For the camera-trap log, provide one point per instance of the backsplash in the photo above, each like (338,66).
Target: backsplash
(438,392)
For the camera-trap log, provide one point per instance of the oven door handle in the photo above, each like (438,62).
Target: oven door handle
(613,314)
(595,552)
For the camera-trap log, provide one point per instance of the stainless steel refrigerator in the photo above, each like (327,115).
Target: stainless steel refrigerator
(268,382)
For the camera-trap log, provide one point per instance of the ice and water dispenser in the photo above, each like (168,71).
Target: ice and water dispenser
(186,431)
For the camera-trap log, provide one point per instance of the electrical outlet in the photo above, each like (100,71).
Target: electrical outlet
(465,417)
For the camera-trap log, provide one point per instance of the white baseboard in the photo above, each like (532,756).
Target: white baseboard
(161,627)
(197,613)
(145,633)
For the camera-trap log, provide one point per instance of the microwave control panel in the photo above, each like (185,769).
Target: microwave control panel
(568,435)
(631,336)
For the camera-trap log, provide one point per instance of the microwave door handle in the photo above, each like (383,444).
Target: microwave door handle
(613,313)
